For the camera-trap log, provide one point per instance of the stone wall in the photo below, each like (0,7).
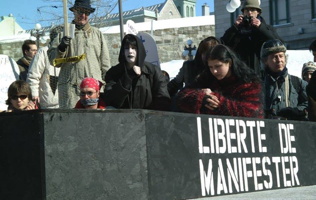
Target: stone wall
(170,42)
(13,49)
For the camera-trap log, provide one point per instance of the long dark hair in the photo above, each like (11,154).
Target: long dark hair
(239,68)
(205,45)
(135,42)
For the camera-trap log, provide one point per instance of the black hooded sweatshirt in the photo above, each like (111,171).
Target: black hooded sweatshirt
(124,89)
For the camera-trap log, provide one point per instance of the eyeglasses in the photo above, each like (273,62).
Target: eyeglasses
(81,12)
(15,97)
(251,9)
(83,94)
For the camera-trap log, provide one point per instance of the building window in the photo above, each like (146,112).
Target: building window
(187,14)
(170,13)
(313,9)
(191,13)
(179,9)
(279,12)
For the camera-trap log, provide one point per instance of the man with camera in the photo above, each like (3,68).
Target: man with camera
(248,33)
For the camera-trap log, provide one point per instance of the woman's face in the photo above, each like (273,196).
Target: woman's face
(130,55)
(19,101)
(219,69)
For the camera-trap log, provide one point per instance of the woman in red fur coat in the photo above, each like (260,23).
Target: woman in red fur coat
(228,87)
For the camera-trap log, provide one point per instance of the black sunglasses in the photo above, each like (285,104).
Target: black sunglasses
(22,97)
(83,11)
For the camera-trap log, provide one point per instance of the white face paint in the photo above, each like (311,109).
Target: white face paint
(130,55)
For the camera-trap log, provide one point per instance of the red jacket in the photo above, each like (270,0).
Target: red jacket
(236,99)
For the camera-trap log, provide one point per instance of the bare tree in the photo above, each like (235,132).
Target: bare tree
(52,12)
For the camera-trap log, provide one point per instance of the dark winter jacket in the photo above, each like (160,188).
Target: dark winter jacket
(189,71)
(126,90)
(24,64)
(275,95)
(236,97)
(311,92)
(247,42)
(186,75)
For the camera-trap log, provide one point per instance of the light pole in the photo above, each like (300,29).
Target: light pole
(189,50)
(121,19)
(37,34)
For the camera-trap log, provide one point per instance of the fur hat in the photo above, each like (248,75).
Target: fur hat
(85,4)
(251,4)
(308,67)
(272,46)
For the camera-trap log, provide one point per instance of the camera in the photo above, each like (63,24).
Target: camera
(246,21)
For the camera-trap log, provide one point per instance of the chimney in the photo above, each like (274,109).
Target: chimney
(205,10)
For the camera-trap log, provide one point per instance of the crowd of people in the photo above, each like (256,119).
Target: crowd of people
(243,73)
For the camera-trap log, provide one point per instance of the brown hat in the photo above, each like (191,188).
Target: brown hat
(251,4)
(85,4)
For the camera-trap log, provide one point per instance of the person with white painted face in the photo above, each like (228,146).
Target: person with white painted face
(135,83)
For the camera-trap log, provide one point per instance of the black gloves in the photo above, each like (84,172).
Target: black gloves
(311,87)
(292,113)
(65,42)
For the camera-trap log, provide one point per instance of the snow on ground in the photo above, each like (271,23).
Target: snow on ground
(296,59)
(172,67)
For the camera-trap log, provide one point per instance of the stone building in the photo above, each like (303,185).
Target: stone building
(186,8)
(161,11)
(295,21)
(170,35)
(8,26)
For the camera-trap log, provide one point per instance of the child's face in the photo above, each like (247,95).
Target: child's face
(20,101)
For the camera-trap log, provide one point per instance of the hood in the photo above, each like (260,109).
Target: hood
(141,53)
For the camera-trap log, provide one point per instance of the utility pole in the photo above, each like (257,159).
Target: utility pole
(121,19)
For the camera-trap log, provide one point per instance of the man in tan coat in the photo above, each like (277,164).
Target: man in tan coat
(87,41)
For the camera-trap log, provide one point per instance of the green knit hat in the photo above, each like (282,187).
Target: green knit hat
(251,4)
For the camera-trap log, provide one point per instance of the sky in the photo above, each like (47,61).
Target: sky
(30,12)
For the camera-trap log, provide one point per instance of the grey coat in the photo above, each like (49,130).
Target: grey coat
(275,97)
(91,42)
